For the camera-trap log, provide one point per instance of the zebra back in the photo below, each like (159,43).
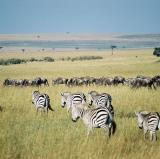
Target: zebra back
(68,99)
(41,100)
(95,118)
(148,120)
(101,100)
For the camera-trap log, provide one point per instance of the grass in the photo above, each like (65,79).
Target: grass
(25,135)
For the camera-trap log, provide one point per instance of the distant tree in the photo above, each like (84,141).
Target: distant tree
(156,51)
(113,47)
(38,36)
(23,50)
(1,47)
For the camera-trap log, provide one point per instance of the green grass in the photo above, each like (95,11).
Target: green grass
(25,135)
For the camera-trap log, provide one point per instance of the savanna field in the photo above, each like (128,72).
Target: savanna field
(23,134)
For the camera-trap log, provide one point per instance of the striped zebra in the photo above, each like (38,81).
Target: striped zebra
(69,99)
(41,101)
(95,118)
(101,100)
(149,121)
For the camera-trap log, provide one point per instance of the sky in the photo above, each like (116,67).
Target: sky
(79,16)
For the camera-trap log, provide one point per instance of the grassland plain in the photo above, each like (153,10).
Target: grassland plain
(23,134)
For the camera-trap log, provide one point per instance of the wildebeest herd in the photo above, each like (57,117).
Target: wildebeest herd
(38,81)
(136,82)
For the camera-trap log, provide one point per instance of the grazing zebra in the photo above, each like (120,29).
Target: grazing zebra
(41,101)
(149,121)
(95,118)
(68,99)
(100,100)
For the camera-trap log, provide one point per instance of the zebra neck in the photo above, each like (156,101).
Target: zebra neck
(82,113)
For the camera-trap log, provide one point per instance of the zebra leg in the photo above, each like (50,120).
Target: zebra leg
(107,130)
(68,108)
(88,130)
(46,110)
(153,136)
(145,134)
(37,110)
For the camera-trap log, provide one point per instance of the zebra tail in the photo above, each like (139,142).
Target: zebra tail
(158,113)
(48,104)
(47,83)
(114,126)
(50,108)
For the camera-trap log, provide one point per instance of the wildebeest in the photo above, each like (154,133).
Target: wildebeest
(38,81)
(59,80)
(142,81)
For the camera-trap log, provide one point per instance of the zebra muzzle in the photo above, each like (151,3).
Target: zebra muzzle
(74,120)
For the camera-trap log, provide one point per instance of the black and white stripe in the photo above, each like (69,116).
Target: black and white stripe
(41,101)
(69,99)
(95,118)
(101,100)
(149,121)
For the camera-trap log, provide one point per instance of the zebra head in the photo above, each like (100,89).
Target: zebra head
(91,97)
(76,113)
(141,117)
(64,97)
(34,95)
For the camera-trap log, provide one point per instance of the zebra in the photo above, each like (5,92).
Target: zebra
(101,100)
(68,99)
(41,101)
(149,121)
(95,118)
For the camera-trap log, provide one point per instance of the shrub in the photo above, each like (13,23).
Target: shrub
(12,61)
(48,59)
(33,59)
(81,58)
(156,52)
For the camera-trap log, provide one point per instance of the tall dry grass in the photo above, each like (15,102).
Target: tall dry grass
(23,134)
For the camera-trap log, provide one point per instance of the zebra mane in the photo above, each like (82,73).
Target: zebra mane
(35,92)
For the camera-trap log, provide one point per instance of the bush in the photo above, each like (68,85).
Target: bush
(12,61)
(156,52)
(3,62)
(81,58)
(16,61)
(48,59)
(33,59)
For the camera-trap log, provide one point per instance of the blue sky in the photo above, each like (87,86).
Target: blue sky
(79,16)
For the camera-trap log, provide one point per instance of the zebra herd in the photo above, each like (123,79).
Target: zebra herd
(137,82)
(102,113)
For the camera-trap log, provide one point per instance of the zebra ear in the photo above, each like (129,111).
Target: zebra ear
(136,113)
(62,94)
